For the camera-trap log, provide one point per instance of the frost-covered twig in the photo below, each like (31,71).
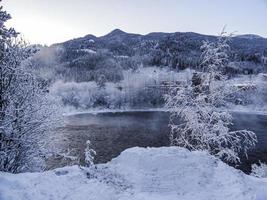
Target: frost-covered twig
(203,124)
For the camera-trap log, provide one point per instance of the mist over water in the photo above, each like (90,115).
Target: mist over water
(111,133)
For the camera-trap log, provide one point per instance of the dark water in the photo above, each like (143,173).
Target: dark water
(258,124)
(111,133)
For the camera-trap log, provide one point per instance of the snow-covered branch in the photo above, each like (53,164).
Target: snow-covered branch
(197,120)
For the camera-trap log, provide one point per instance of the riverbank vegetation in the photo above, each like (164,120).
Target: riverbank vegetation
(198,120)
(27,110)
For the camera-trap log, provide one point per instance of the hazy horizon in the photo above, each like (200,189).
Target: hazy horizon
(48,22)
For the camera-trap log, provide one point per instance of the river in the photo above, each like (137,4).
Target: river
(111,133)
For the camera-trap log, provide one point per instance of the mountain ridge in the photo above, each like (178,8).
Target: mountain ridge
(179,50)
(120,32)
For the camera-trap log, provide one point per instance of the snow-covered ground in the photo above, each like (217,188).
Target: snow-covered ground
(166,173)
(250,109)
(96,111)
(238,108)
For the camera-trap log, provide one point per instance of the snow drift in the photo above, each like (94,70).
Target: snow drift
(164,173)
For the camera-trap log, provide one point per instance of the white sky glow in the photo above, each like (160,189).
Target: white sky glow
(53,21)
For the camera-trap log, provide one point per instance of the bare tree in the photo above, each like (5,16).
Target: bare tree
(198,120)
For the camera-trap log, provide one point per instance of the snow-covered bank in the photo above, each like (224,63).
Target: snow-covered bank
(235,109)
(127,110)
(257,110)
(139,174)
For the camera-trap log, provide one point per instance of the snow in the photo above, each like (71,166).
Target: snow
(250,109)
(88,51)
(122,56)
(256,110)
(139,174)
(95,111)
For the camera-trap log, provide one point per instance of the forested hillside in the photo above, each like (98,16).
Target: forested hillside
(130,70)
(90,57)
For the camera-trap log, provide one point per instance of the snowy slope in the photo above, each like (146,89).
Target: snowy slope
(165,173)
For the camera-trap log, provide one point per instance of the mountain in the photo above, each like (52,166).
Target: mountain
(249,42)
(118,50)
(249,36)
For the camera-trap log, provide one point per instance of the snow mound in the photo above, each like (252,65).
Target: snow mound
(165,173)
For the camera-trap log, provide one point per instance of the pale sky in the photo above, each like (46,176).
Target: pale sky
(52,21)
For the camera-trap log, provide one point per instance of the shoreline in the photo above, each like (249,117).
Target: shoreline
(100,111)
